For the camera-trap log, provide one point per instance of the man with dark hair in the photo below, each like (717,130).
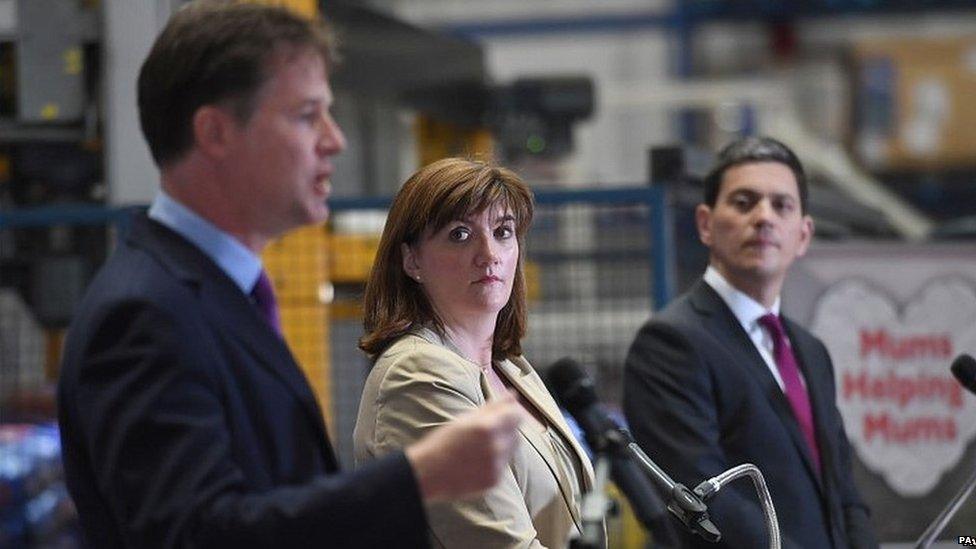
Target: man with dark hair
(185,421)
(719,378)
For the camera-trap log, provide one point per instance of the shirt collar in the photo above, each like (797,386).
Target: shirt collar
(235,259)
(746,309)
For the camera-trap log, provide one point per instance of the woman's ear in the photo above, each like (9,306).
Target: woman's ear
(410,264)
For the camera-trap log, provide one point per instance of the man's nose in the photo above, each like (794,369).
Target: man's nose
(763,212)
(331,139)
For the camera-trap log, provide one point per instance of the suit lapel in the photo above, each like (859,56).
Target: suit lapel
(521,376)
(229,311)
(238,320)
(722,323)
(518,372)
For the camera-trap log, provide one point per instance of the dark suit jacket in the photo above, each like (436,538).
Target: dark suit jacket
(700,399)
(185,421)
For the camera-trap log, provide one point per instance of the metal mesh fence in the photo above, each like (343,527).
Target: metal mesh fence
(22,349)
(594,286)
(47,257)
(594,265)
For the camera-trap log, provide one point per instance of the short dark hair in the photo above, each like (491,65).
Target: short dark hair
(754,149)
(216,52)
(449,189)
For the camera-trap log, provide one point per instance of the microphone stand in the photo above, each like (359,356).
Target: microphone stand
(690,507)
(934,529)
(683,504)
(594,507)
(707,490)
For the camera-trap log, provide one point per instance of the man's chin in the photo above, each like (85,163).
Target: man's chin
(317,215)
(757,270)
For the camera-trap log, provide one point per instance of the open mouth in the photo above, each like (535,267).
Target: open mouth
(322,185)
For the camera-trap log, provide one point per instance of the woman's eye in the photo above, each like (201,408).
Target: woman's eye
(504,232)
(459,234)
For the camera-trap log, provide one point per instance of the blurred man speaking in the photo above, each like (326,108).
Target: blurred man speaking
(185,420)
(720,378)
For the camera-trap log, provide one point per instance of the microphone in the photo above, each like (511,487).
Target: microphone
(964,368)
(574,390)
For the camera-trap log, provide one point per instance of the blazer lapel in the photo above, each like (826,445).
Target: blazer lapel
(523,378)
(519,374)
(229,310)
(723,324)
(239,320)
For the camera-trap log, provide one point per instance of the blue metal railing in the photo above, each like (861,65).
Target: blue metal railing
(66,214)
(659,221)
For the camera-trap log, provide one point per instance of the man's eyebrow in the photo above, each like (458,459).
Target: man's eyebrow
(746,191)
(313,102)
(754,192)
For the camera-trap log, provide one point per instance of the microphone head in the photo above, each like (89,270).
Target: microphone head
(964,368)
(571,386)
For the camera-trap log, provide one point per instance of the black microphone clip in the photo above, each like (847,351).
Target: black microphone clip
(692,512)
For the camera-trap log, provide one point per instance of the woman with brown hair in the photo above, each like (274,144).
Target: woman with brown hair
(445,314)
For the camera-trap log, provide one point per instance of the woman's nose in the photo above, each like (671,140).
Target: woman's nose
(487,254)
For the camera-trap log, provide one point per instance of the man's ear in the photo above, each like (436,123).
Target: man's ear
(703,219)
(214,130)
(806,236)
(410,264)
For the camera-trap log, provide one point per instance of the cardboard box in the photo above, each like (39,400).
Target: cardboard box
(915,103)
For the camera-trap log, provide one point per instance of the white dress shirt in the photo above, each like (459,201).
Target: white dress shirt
(238,262)
(748,311)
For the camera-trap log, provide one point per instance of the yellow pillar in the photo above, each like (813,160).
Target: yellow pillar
(308,8)
(437,139)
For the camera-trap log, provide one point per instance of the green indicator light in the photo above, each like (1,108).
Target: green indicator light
(535,143)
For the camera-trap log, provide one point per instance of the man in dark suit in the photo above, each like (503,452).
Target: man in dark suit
(719,378)
(185,420)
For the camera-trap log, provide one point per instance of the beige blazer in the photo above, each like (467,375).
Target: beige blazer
(421,382)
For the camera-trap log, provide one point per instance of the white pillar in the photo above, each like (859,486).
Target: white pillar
(130,26)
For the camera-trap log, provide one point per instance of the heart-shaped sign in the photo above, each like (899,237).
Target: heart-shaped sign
(906,416)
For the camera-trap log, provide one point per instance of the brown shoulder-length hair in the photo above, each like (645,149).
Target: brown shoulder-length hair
(441,192)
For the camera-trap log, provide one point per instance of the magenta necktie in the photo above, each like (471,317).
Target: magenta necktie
(264,298)
(796,393)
